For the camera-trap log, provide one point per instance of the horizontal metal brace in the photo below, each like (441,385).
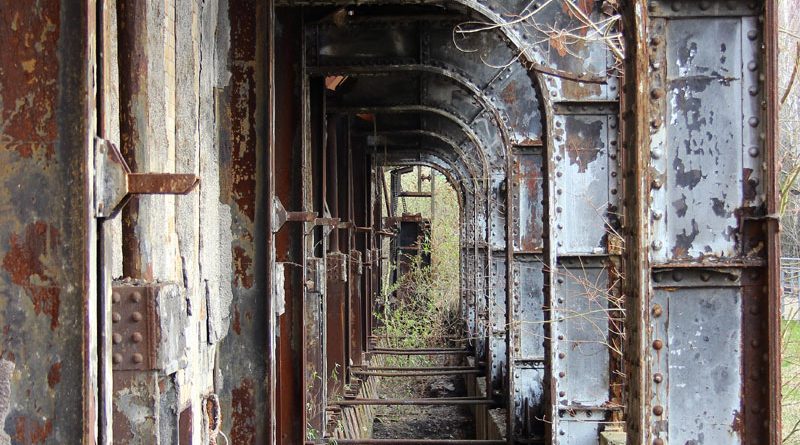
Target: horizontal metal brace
(332,222)
(412,442)
(281,216)
(414,194)
(412,402)
(416,373)
(115,184)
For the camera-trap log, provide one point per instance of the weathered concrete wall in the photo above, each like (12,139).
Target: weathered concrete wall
(199,113)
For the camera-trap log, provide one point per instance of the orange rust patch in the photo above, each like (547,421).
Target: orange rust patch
(54,375)
(24,263)
(558,42)
(242,264)
(32,432)
(30,76)
(243,430)
(237,323)
(243,135)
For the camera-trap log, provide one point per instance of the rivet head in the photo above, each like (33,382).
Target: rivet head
(137,358)
(657,93)
(658,378)
(657,215)
(704,5)
(753,91)
(656,184)
(656,245)
(753,121)
(705,276)
(658,441)
(677,276)
(562,374)
(116,358)
(676,6)
(656,153)
(658,410)
(658,344)
(657,311)
(115,297)
(116,338)
(561,393)
(136,316)
(136,337)
(752,34)
(753,151)
(116,317)
(136,297)
(561,355)
(752,65)
(656,40)
(560,337)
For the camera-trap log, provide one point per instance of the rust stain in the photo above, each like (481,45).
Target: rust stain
(509,94)
(54,375)
(243,136)
(30,75)
(584,143)
(749,186)
(243,430)
(30,431)
(243,29)
(558,41)
(237,322)
(684,241)
(242,264)
(24,261)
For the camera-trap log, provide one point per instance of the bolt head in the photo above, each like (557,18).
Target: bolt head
(657,310)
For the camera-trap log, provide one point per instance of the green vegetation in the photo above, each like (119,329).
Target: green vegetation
(429,311)
(790,370)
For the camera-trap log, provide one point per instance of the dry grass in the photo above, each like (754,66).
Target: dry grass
(790,369)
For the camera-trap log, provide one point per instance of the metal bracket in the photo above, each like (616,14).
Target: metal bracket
(281,216)
(114,183)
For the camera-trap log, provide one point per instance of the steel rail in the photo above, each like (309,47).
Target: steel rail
(414,402)
(416,373)
(421,368)
(411,442)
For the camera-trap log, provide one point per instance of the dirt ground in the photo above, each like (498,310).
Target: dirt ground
(423,422)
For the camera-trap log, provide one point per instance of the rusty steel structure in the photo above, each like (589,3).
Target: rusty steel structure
(192,210)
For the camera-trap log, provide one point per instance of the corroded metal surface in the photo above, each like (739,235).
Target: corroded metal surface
(618,239)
